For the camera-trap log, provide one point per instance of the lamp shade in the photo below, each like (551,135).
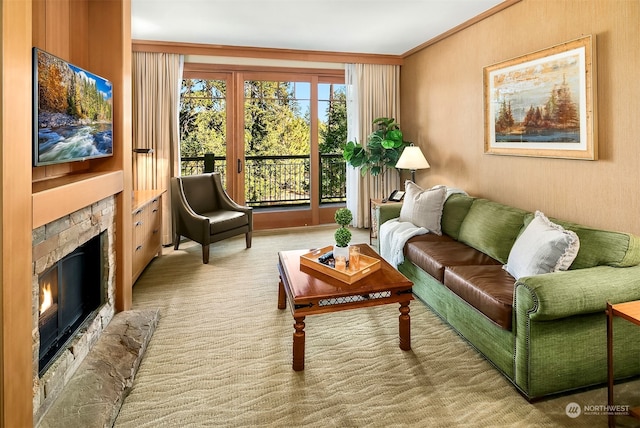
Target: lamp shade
(412,158)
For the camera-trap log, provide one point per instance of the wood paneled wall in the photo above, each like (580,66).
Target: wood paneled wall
(442,111)
(16,363)
(53,25)
(94,34)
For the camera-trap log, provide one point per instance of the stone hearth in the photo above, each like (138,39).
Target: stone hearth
(94,395)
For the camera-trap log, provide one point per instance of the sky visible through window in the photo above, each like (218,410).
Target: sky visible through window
(302,93)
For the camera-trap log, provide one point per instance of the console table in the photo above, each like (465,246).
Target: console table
(629,311)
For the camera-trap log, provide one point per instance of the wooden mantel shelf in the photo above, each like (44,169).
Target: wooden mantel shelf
(53,199)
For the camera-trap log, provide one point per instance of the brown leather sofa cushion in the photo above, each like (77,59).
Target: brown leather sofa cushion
(433,255)
(432,237)
(487,288)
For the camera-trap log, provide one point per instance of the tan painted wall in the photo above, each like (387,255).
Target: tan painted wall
(442,111)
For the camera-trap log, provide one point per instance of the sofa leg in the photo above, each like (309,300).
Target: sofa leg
(205,254)
(176,241)
(248,239)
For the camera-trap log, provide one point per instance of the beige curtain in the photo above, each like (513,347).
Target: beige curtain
(156,102)
(373,90)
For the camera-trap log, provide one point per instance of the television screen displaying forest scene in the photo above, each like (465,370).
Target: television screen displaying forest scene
(74,112)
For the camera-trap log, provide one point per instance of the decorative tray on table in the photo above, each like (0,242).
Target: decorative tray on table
(368,265)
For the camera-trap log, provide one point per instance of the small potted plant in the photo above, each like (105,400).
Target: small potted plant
(342,236)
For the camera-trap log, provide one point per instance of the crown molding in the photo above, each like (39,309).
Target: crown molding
(263,53)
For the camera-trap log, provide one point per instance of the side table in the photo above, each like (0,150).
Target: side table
(629,311)
(374,204)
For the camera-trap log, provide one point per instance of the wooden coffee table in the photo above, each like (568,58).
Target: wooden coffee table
(310,292)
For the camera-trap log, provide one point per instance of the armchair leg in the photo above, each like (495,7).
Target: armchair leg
(205,254)
(248,239)
(176,241)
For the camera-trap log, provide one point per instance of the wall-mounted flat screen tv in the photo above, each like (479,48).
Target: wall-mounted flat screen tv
(72,112)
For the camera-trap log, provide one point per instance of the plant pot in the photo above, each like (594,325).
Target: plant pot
(341,251)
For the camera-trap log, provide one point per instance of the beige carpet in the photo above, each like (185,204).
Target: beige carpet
(221,356)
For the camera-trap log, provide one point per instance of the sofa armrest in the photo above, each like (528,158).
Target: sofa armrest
(387,212)
(582,291)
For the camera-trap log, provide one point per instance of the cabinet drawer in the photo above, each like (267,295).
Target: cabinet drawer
(147,224)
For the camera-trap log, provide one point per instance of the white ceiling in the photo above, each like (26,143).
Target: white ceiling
(359,26)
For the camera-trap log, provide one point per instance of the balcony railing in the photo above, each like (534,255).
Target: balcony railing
(279,181)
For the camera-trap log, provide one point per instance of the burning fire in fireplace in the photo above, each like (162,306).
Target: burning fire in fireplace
(47,298)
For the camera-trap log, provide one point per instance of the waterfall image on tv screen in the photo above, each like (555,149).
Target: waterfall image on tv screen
(73,112)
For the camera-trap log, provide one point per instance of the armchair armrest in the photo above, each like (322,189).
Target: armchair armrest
(388,212)
(188,214)
(229,204)
(191,223)
(562,294)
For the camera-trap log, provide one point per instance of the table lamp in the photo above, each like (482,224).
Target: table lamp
(412,159)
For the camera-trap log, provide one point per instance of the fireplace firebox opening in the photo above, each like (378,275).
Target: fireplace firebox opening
(70,291)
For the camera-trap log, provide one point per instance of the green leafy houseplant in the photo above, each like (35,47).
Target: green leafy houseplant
(382,151)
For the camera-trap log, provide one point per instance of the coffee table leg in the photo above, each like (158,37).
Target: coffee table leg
(298,344)
(282,298)
(405,327)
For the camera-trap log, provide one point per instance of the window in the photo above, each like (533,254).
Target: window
(275,135)
(277,142)
(203,123)
(332,130)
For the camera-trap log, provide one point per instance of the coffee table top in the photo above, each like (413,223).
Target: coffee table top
(310,291)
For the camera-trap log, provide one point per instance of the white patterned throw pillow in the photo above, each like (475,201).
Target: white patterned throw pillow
(543,247)
(423,207)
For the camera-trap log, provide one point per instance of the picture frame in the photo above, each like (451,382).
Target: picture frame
(543,104)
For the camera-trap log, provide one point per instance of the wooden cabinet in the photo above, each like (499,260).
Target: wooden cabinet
(146,223)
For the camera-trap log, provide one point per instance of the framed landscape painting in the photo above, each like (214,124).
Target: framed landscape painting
(542,103)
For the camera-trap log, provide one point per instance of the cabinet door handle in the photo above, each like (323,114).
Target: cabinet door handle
(137,212)
(239,166)
(138,223)
(155,210)
(139,247)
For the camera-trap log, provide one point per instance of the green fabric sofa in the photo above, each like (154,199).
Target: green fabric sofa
(556,341)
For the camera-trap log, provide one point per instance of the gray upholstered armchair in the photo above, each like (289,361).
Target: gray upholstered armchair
(204,212)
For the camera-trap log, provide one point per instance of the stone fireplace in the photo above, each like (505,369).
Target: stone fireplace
(77,249)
